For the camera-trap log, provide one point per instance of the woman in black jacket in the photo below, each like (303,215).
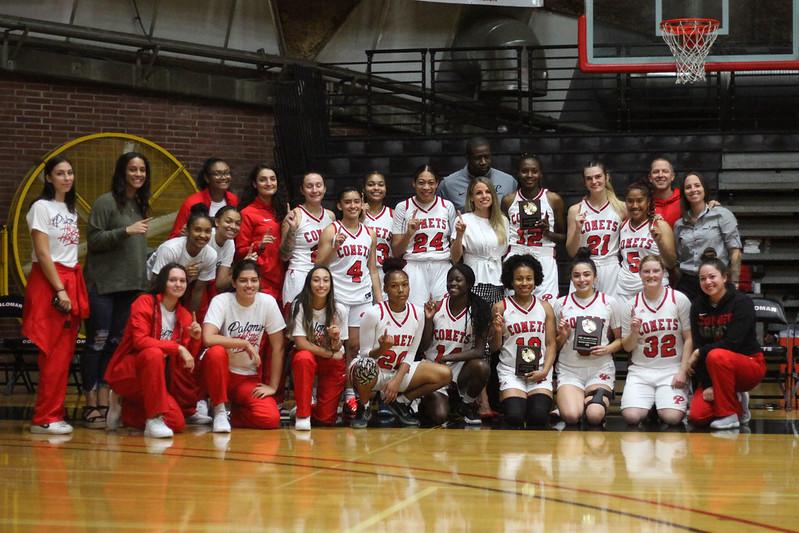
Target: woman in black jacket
(727,357)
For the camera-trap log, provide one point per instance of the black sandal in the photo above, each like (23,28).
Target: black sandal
(97,421)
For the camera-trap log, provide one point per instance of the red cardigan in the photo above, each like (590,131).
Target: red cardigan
(256,220)
(143,331)
(199,197)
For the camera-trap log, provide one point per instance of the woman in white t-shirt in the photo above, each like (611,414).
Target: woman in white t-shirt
(481,238)
(193,252)
(235,328)
(55,297)
(160,334)
(319,329)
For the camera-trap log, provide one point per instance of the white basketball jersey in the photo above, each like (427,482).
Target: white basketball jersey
(381,225)
(570,307)
(402,326)
(530,241)
(523,327)
(660,341)
(600,232)
(306,240)
(349,266)
(431,240)
(451,333)
(634,245)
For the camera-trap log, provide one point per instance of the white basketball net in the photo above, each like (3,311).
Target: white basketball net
(690,41)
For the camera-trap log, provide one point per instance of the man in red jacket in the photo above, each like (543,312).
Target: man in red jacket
(667,200)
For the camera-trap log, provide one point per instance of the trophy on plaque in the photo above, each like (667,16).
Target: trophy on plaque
(587,334)
(527,359)
(529,213)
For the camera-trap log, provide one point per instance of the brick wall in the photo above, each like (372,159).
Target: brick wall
(37,116)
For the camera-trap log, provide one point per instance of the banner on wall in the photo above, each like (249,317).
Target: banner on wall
(499,3)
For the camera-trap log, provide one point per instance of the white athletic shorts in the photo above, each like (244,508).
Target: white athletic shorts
(427,279)
(585,377)
(387,375)
(292,285)
(355,313)
(509,380)
(456,371)
(548,290)
(645,387)
(607,278)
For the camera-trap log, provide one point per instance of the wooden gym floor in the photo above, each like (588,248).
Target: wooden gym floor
(389,479)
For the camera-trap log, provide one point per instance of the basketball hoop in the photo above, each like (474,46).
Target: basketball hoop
(690,39)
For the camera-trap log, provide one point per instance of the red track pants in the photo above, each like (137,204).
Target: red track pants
(54,374)
(730,373)
(222,385)
(330,384)
(145,396)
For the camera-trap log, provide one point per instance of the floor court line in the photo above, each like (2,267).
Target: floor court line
(385,513)
(520,493)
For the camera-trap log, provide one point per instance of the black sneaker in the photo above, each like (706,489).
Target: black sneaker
(469,413)
(403,413)
(361,419)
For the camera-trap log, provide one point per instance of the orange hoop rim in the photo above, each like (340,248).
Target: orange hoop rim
(690,26)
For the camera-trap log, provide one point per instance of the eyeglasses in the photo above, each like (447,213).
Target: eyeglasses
(220,174)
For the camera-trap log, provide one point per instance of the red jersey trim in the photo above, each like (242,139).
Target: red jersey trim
(310,215)
(589,304)
(520,308)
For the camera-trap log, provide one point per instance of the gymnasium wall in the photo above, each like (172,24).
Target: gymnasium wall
(37,116)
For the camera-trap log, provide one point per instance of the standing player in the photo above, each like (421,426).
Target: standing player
(378,217)
(586,377)
(595,222)
(235,327)
(422,227)
(301,231)
(520,322)
(656,330)
(539,241)
(348,248)
(455,335)
(55,298)
(640,235)
(391,332)
(214,181)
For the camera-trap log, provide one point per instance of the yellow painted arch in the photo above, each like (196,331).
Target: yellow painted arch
(93,157)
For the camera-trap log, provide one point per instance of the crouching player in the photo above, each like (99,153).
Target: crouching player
(455,334)
(390,334)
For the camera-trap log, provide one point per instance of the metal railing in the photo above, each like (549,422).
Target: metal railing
(528,89)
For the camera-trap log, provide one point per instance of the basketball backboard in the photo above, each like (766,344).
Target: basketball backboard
(625,35)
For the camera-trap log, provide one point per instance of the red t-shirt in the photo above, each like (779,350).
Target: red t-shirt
(669,208)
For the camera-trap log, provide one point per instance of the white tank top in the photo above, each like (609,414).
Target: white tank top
(431,240)
(402,326)
(451,333)
(530,241)
(570,307)
(381,225)
(349,267)
(600,232)
(660,341)
(523,327)
(306,240)
(634,245)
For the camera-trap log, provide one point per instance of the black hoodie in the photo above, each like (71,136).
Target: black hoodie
(729,325)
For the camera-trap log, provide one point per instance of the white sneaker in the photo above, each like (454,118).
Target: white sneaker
(728,422)
(112,418)
(221,421)
(53,428)
(156,428)
(746,414)
(303,424)
(198,419)
(202,407)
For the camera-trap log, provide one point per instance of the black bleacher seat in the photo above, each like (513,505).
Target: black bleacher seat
(423,147)
(335,166)
(405,166)
(510,146)
(385,147)
(365,165)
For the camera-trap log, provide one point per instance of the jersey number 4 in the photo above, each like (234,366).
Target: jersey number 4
(355,272)
(440,349)
(420,244)
(666,348)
